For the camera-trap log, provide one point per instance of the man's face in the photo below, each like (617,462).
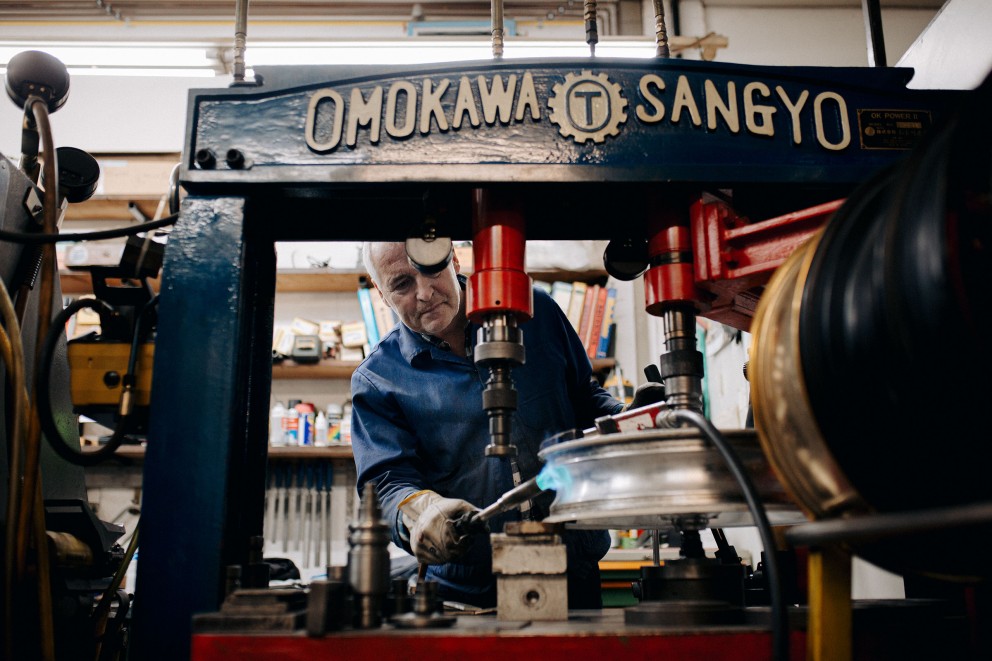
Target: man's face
(424,303)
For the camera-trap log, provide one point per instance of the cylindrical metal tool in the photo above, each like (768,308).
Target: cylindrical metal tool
(499,296)
(368,561)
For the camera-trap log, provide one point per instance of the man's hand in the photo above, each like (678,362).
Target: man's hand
(431,518)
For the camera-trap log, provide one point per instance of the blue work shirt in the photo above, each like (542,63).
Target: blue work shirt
(418,423)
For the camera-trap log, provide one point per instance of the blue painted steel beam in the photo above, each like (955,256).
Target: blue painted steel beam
(205,462)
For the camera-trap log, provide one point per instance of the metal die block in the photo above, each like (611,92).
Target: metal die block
(532,597)
(531,583)
(544,554)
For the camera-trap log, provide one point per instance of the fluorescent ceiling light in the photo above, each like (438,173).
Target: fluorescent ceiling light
(119,56)
(422,51)
(139,72)
(205,61)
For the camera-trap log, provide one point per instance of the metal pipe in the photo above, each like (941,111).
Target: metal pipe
(873,31)
(592,26)
(240,39)
(660,30)
(496,12)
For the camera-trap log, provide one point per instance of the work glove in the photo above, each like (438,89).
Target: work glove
(647,393)
(431,518)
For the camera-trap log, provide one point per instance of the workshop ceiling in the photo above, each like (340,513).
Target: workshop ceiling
(60,11)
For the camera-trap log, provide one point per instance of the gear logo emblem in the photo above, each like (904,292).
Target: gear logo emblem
(587,107)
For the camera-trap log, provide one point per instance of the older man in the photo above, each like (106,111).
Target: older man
(419,429)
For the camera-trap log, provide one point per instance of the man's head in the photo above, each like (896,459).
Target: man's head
(431,304)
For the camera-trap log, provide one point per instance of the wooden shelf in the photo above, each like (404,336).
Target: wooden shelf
(600,364)
(325,369)
(136,453)
(287,453)
(342,369)
(78,282)
(318,281)
(115,207)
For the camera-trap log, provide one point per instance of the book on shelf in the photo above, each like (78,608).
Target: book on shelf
(368,315)
(543,285)
(607,326)
(575,304)
(561,292)
(385,318)
(596,327)
(588,314)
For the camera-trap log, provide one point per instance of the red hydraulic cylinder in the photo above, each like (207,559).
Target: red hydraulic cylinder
(499,283)
(670,277)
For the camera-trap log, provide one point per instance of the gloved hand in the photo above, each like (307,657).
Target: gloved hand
(430,518)
(647,393)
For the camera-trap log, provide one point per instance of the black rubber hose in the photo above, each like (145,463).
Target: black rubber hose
(45,416)
(780,618)
(28,237)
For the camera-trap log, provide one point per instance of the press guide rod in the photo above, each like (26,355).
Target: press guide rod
(497,25)
(240,39)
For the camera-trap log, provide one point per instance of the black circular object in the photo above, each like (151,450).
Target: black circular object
(894,322)
(36,73)
(79,174)
(430,256)
(626,259)
(205,159)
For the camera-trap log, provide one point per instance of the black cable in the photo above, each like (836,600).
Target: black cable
(132,359)
(780,619)
(29,237)
(45,417)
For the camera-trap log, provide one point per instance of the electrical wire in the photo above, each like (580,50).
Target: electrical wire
(32,515)
(780,619)
(45,417)
(13,357)
(102,610)
(32,238)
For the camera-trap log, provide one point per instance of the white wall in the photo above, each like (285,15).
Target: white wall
(126,115)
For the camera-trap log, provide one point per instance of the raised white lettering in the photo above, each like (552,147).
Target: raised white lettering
(497,98)
(527,97)
(362,113)
(752,110)
(845,127)
(645,84)
(465,103)
(430,106)
(409,109)
(794,110)
(715,104)
(336,123)
(684,99)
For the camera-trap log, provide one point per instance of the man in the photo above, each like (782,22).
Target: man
(419,429)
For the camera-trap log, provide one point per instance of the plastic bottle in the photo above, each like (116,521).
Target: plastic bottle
(346,422)
(333,423)
(320,430)
(276,415)
(308,416)
(291,425)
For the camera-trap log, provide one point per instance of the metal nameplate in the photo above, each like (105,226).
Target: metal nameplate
(566,120)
